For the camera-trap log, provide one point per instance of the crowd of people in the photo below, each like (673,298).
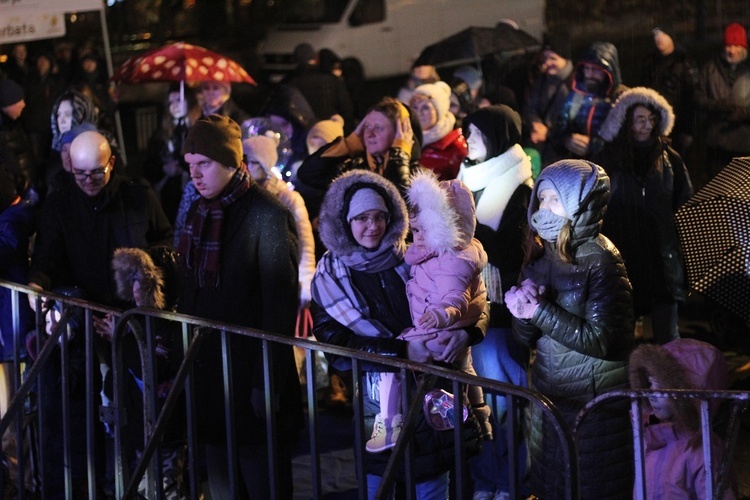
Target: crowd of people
(463,223)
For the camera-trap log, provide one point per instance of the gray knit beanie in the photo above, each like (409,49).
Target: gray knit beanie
(572,179)
(363,200)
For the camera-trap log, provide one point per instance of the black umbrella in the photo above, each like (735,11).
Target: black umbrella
(472,44)
(714,230)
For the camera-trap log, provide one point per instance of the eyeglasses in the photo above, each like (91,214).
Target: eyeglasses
(96,175)
(378,218)
(643,120)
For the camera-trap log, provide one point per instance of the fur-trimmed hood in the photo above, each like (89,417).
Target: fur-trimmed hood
(445,209)
(680,364)
(134,264)
(335,232)
(637,95)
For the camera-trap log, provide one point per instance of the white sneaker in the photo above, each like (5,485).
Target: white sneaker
(385,433)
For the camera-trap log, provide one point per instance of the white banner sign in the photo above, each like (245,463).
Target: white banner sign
(31,26)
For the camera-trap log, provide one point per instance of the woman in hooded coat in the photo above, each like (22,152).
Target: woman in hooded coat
(672,438)
(574,306)
(360,301)
(649,184)
(498,173)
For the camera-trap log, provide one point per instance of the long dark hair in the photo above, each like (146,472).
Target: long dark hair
(621,150)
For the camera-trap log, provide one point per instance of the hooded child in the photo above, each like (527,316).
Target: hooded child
(445,289)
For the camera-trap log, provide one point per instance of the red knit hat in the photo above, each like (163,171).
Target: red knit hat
(735,34)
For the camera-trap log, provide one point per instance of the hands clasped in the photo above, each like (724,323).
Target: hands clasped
(523,301)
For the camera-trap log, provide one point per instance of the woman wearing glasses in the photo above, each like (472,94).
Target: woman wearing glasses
(360,301)
(649,183)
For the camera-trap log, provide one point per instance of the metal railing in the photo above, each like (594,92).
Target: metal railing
(145,472)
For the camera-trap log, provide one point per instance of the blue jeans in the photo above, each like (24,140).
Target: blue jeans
(432,489)
(499,357)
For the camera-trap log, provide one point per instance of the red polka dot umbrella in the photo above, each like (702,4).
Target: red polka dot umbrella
(181,62)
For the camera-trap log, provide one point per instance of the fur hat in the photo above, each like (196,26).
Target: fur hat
(439,94)
(10,92)
(328,130)
(263,147)
(735,34)
(134,264)
(217,137)
(445,208)
(631,97)
(680,364)
(363,200)
(572,179)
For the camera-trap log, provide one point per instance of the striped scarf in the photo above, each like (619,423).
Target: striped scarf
(200,243)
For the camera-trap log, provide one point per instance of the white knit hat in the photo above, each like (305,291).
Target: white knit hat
(439,94)
(263,148)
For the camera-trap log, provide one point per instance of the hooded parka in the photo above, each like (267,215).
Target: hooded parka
(582,330)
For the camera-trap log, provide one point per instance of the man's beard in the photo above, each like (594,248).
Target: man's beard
(592,86)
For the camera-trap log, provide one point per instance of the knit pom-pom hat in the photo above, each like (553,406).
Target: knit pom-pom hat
(328,130)
(264,149)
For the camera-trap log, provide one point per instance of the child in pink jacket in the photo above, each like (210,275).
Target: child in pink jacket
(445,291)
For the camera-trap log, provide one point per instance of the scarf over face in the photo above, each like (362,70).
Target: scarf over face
(200,243)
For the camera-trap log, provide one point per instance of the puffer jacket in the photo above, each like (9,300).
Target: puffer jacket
(445,155)
(582,331)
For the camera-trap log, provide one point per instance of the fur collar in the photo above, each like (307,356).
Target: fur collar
(637,95)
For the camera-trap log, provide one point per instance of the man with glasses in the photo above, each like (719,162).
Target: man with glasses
(81,226)
(83,223)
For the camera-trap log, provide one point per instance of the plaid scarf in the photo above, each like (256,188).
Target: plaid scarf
(333,290)
(200,243)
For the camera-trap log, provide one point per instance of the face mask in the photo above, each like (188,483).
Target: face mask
(547,224)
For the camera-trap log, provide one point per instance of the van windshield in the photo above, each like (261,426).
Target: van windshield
(315,11)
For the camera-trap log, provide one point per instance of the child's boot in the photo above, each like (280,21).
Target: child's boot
(385,433)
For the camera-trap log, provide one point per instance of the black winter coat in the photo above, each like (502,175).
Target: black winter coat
(640,222)
(78,235)
(257,289)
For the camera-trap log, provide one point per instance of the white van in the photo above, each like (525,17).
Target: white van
(386,36)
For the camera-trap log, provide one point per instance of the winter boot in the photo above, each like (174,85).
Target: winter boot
(384,433)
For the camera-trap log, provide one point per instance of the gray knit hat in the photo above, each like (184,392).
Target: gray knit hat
(363,200)
(572,179)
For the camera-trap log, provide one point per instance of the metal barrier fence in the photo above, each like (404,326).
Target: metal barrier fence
(146,473)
